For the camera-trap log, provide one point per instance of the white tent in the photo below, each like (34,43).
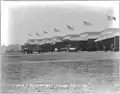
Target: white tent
(77,37)
(56,39)
(108,34)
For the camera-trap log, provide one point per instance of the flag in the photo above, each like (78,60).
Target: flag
(70,28)
(110,18)
(56,30)
(37,34)
(29,34)
(87,23)
(45,32)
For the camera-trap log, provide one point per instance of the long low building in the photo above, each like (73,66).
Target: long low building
(106,40)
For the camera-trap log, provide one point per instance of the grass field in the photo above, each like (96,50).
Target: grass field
(62,56)
(102,74)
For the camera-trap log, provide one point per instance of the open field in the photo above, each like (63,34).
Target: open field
(63,56)
(62,68)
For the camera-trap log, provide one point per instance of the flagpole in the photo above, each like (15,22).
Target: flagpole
(85,64)
(86,31)
(112,18)
(114,43)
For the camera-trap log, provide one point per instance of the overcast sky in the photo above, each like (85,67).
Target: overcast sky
(25,18)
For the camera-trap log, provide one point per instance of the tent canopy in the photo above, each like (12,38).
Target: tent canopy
(108,34)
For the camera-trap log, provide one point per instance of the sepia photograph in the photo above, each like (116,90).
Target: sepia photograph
(60,47)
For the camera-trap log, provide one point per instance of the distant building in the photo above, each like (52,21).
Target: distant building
(11,48)
(105,40)
(109,39)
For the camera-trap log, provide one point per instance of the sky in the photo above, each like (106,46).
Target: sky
(21,18)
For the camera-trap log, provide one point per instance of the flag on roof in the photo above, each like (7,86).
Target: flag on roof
(45,32)
(110,18)
(70,28)
(56,30)
(37,34)
(86,23)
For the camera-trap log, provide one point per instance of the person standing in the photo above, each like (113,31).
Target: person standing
(104,48)
(56,49)
(112,47)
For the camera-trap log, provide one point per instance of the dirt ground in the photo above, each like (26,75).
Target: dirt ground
(28,74)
